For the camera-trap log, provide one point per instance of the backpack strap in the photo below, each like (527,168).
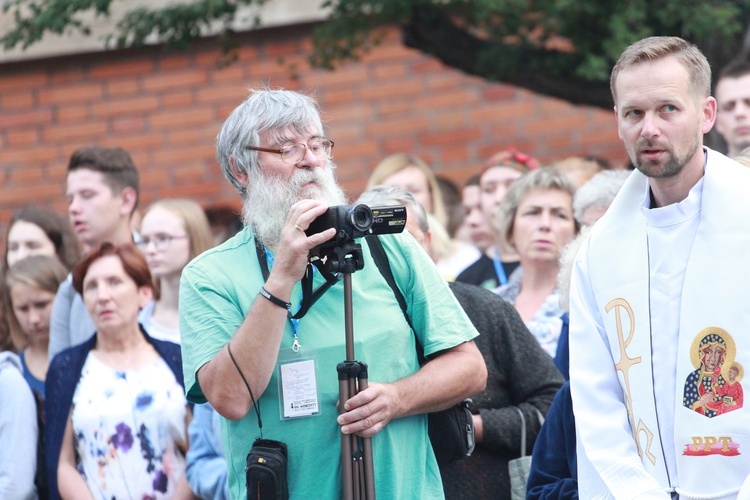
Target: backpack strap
(381,261)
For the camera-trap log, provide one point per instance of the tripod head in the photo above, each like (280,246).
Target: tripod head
(345,257)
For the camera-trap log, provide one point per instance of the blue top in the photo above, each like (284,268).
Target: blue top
(62,379)
(562,355)
(554,471)
(37,385)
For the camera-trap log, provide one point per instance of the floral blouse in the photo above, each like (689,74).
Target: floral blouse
(546,324)
(130,430)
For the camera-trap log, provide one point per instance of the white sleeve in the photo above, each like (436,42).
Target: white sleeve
(613,467)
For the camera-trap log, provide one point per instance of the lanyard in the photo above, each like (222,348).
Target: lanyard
(502,279)
(309,297)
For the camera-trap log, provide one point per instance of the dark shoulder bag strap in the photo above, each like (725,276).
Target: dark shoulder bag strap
(381,260)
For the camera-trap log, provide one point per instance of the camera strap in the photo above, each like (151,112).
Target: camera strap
(309,296)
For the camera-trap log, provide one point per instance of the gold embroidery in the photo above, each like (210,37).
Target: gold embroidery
(626,362)
(649,439)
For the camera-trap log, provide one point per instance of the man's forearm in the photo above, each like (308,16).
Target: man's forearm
(255,348)
(444,381)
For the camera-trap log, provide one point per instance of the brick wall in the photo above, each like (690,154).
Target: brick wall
(166,108)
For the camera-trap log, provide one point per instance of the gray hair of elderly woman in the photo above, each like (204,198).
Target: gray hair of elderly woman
(270,111)
(543,178)
(387,196)
(599,191)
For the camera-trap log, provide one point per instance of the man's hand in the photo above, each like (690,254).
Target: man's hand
(369,411)
(294,245)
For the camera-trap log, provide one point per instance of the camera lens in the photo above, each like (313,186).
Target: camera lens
(360,217)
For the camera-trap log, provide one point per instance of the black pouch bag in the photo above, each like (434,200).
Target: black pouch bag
(451,432)
(265,472)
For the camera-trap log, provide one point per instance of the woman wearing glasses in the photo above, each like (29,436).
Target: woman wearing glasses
(173,232)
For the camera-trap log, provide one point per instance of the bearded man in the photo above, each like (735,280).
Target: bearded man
(240,343)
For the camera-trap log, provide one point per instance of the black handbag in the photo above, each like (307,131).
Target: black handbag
(451,431)
(265,472)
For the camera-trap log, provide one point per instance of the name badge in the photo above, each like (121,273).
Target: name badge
(297,385)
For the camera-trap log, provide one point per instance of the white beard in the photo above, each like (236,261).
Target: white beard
(269,199)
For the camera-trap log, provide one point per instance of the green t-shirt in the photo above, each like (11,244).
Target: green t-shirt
(217,290)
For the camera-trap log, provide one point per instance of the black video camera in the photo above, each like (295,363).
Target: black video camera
(355,221)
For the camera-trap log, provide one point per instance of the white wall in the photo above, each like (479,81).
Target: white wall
(273,13)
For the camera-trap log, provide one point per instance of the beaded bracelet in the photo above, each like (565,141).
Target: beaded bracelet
(275,300)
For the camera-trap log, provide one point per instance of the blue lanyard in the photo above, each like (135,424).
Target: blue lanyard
(294,322)
(499,269)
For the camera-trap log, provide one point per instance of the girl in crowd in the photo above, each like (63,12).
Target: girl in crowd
(411,174)
(31,284)
(37,231)
(535,218)
(34,231)
(116,414)
(173,232)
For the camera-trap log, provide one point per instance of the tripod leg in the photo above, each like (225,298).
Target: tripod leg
(346,442)
(369,476)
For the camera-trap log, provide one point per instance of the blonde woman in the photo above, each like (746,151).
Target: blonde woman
(173,232)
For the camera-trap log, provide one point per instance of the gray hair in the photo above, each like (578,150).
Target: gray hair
(567,259)
(385,196)
(265,110)
(543,178)
(660,47)
(599,191)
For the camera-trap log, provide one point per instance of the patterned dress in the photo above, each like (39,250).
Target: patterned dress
(130,430)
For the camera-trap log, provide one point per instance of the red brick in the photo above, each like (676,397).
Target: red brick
(118,67)
(230,74)
(499,92)
(129,106)
(395,90)
(234,93)
(84,132)
(20,138)
(342,96)
(128,124)
(169,81)
(66,94)
(179,99)
(26,174)
(179,157)
(398,144)
(502,112)
(73,113)
(23,80)
(179,119)
(135,144)
(193,136)
(388,71)
(449,99)
(428,64)
(174,61)
(350,74)
(457,136)
(551,125)
(67,75)
(19,119)
(286,48)
(19,195)
(404,125)
(121,87)
(20,99)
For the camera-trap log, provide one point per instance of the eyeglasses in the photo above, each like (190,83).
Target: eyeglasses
(161,241)
(294,153)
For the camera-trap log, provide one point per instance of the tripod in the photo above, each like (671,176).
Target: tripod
(356,453)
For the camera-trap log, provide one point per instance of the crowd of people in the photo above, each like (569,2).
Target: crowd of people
(566,303)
